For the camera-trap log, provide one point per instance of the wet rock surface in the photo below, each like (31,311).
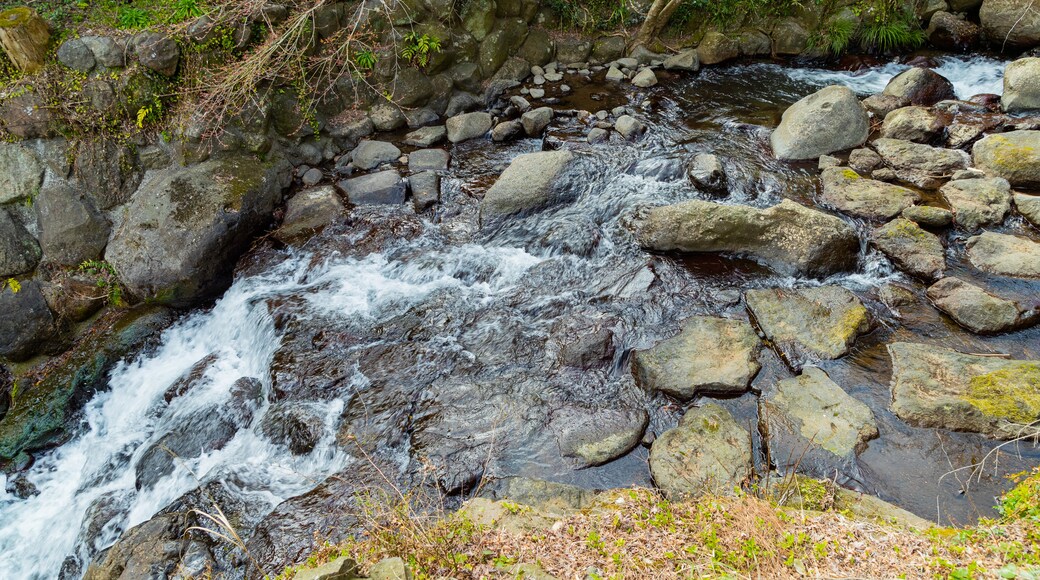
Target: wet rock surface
(827,121)
(707,452)
(911,248)
(848,192)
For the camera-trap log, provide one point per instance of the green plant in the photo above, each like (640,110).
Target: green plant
(104,278)
(887,26)
(418,48)
(365,59)
(185,10)
(132,18)
(836,38)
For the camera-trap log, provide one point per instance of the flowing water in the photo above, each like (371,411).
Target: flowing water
(436,344)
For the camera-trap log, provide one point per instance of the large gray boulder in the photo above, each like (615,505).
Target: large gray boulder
(911,248)
(1010,23)
(948,31)
(21,172)
(807,325)
(978,310)
(977,203)
(790,238)
(717,47)
(941,388)
(371,154)
(922,165)
(847,192)
(808,417)
(157,52)
(831,119)
(1021,86)
(508,35)
(708,452)
(179,237)
(709,356)
(308,212)
(918,124)
(1004,254)
(530,181)
(468,126)
(71,228)
(920,86)
(385,187)
(1015,156)
(27,323)
(19,250)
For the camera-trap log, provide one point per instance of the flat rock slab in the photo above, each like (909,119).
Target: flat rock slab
(937,387)
(428,160)
(848,192)
(911,248)
(707,453)
(710,355)
(528,183)
(468,126)
(806,325)
(426,136)
(812,411)
(904,156)
(371,154)
(979,311)
(385,187)
(1004,255)
(977,203)
(308,212)
(596,436)
(789,237)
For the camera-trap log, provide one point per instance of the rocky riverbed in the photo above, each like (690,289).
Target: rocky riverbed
(627,274)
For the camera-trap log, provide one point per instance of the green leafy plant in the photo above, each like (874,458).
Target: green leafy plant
(365,59)
(132,18)
(185,10)
(836,38)
(105,279)
(887,26)
(418,48)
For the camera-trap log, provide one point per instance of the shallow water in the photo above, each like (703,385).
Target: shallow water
(439,341)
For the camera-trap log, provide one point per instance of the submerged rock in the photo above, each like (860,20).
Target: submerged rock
(806,325)
(846,191)
(382,188)
(597,436)
(789,237)
(831,119)
(810,414)
(977,203)
(937,387)
(709,356)
(911,248)
(371,154)
(1015,156)
(530,181)
(707,173)
(708,452)
(979,311)
(1004,255)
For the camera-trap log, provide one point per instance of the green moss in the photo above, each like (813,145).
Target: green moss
(1011,393)
(15,16)
(904,228)
(1009,155)
(816,495)
(850,174)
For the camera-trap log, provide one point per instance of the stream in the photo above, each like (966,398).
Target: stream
(436,345)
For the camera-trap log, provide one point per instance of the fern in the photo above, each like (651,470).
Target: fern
(186,10)
(365,59)
(130,18)
(418,48)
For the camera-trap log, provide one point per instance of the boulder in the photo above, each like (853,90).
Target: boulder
(508,34)
(468,126)
(48,401)
(426,189)
(978,310)
(1015,156)
(1029,207)
(391,568)
(948,32)
(920,86)
(846,191)
(754,43)
(371,154)
(614,74)
(645,78)
(831,119)
(706,172)
(810,412)
(1004,255)
(789,37)
(341,568)
(428,160)
(27,116)
(539,49)
(530,181)
(629,127)
(535,121)
(21,173)
(384,187)
(179,237)
(507,131)
(478,18)
(936,387)
(918,124)
(308,212)
(514,69)
(807,325)
(71,228)
(910,248)
(929,216)
(909,159)
(572,49)
(1021,86)
(387,117)
(157,52)
(594,436)
(108,171)
(977,203)
(708,452)
(686,60)
(426,136)
(716,47)
(709,356)
(27,324)
(864,160)
(1010,23)
(75,54)
(607,48)
(881,105)
(789,237)
(19,250)
(411,87)
(106,50)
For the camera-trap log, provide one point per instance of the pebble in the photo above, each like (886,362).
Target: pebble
(539,80)
(598,135)
(312,176)
(537,93)
(618,111)
(602,115)
(553,77)
(565,88)
(537,71)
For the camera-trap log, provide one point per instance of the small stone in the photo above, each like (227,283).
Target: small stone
(828,161)
(629,127)
(312,177)
(428,160)
(911,248)
(535,121)
(645,79)
(598,135)
(615,75)
(507,131)
(929,216)
(537,93)
(426,137)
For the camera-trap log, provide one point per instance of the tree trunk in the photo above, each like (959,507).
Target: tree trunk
(24,36)
(656,18)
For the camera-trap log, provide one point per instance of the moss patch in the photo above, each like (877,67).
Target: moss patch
(1011,393)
